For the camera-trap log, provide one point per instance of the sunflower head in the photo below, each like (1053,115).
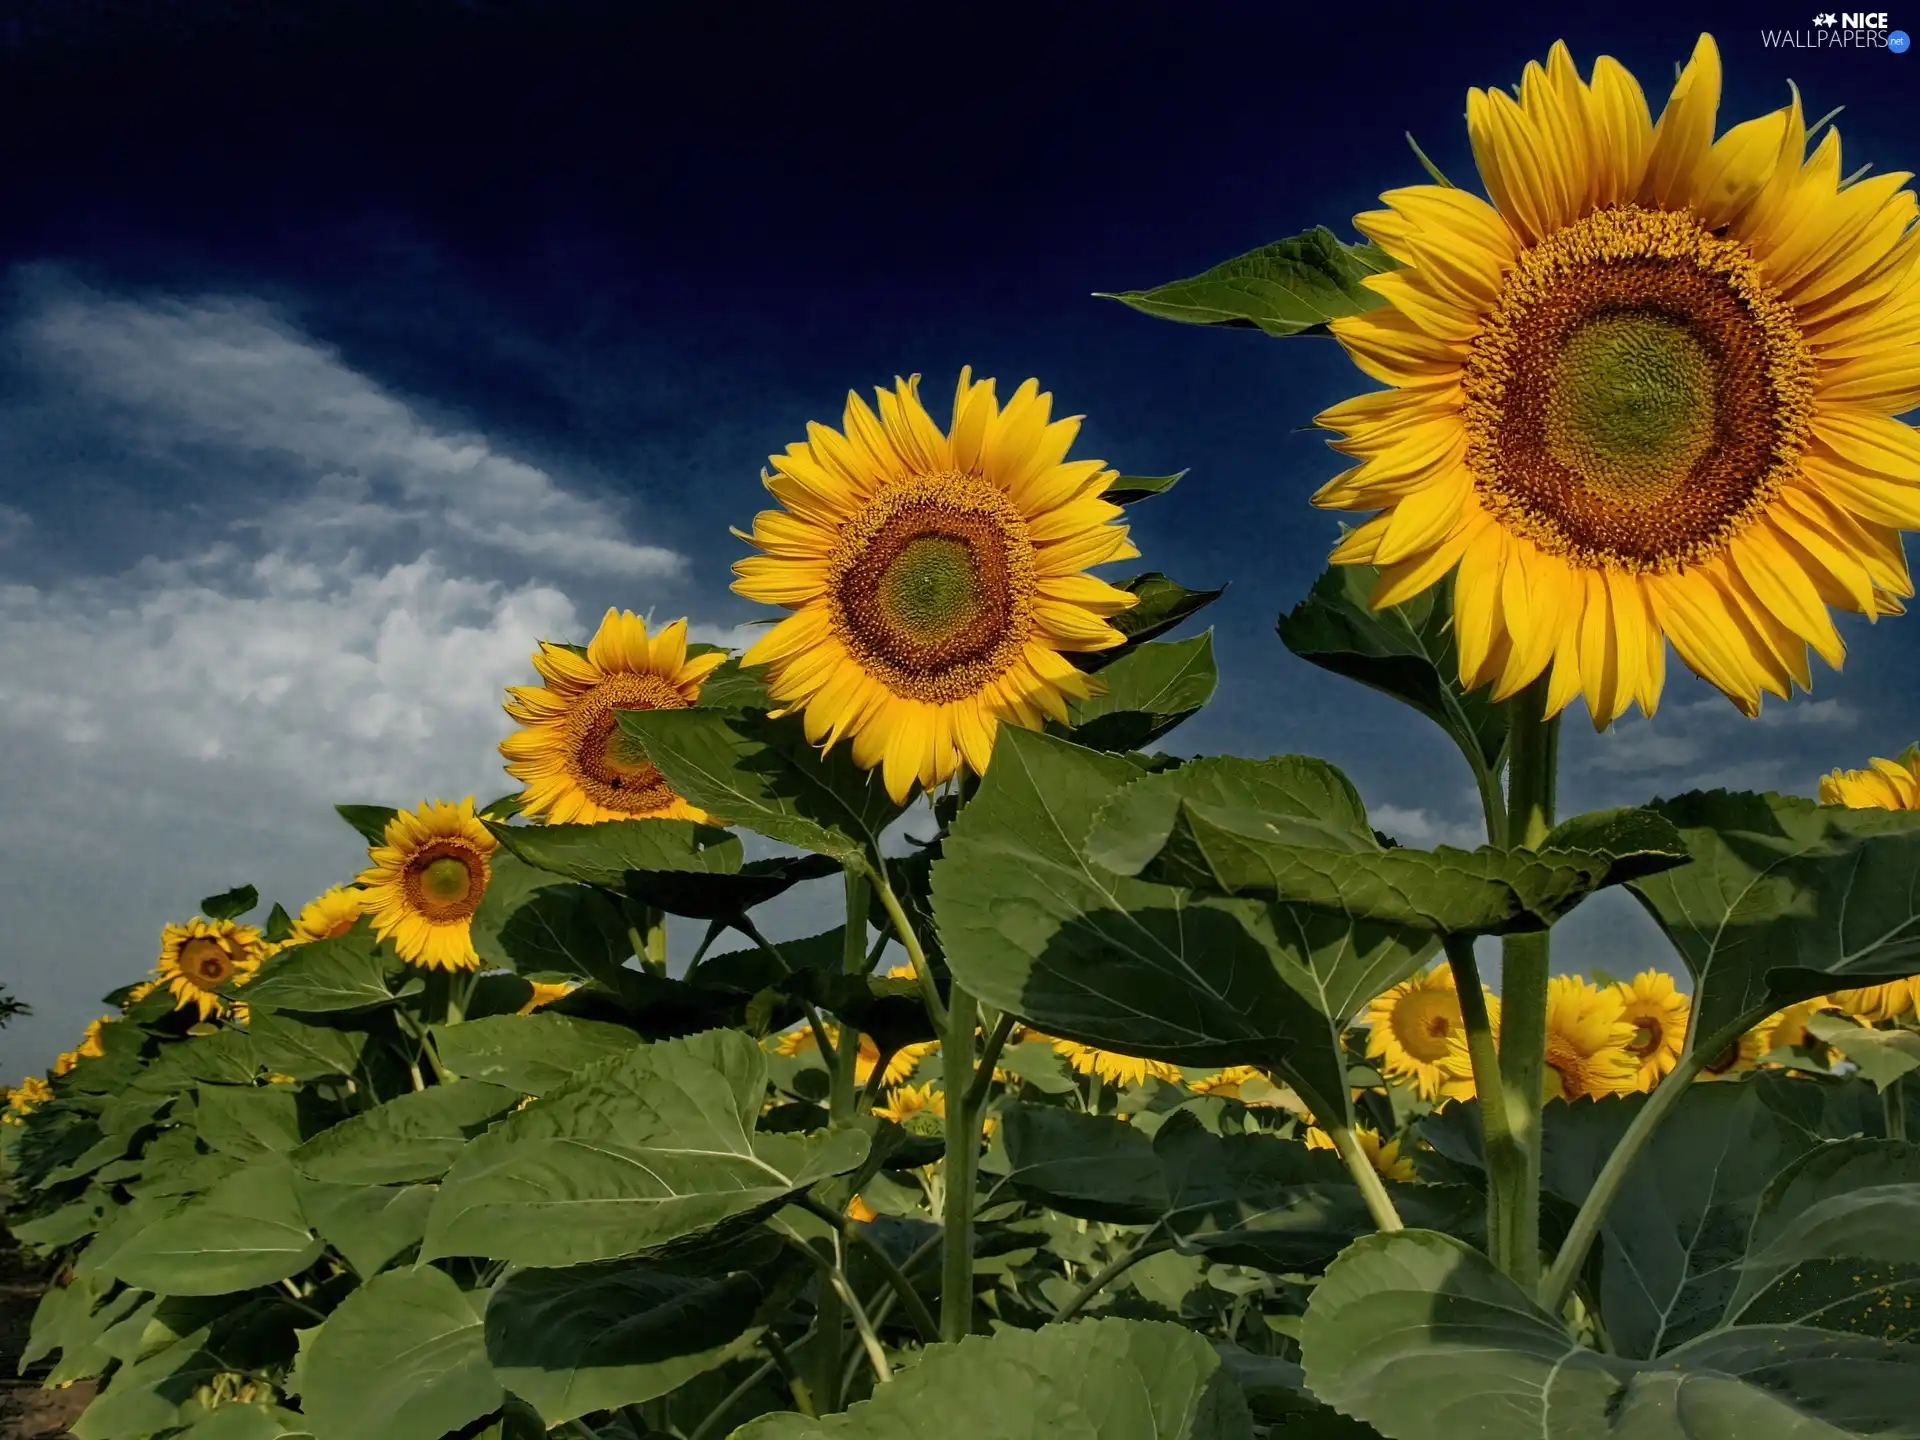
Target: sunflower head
(1385,1157)
(1114,1068)
(1874,1003)
(92,1044)
(330,914)
(1644,392)
(1589,1041)
(427,880)
(919,1108)
(1787,1029)
(1415,1026)
(1738,1058)
(578,764)
(1658,1012)
(199,958)
(936,577)
(24,1098)
(1883,785)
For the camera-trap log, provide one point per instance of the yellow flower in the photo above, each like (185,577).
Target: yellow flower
(912,1102)
(859,1210)
(1658,1013)
(1738,1058)
(327,915)
(1878,1002)
(1412,1027)
(900,1065)
(64,1062)
(1386,1159)
(91,1045)
(24,1098)
(1589,1041)
(1234,1081)
(1113,1067)
(578,765)
(1645,395)
(427,880)
(936,578)
(1884,785)
(545,993)
(1787,1029)
(197,958)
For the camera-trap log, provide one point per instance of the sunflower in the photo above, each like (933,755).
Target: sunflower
(1738,1058)
(1113,1067)
(546,994)
(937,579)
(330,914)
(909,1103)
(24,1098)
(1385,1158)
(900,1065)
(197,958)
(1589,1041)
(1412,1027)
(1884,785)
(1250,1086)
(92,1045)
(1787,1029)
(1658,1013)
(427,880)
(578,764)
(64,1062)
(1874,1003)
(858,1210)
(1646,394)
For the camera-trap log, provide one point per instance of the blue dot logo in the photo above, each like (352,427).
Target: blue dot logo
(1897,42)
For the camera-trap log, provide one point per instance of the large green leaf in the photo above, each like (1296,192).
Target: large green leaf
(1291,829)
(596,1337)
(248,1422)
(248,1122)
(1881,1056)
(1405,651)
(225,1057)
(1786,900)
(403,1358)
(1091,1166)
(248,1230)
(1289,287)
(530,1054)
(602,854)
(1417,1334)
(1034,926)
(411,1137)
(570,928)
(640,1150)
(745,769)
(370,1225)
(1147,692)
(1089,1380)
(1836,1243)
(150,1394)
(285,1043)
(511,884)
(345,972)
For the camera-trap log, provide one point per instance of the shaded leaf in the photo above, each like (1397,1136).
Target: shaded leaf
(285,1043)
(1149,690)
(1126,489)
(727,896)
(1882,1056)
(248,1122)
(247,1230)
(528,1054)
(602,854)
(1094,1167)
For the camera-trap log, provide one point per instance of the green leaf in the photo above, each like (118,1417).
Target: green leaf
(1094,1167)
(1836,1243)
(1290,287)
(732,688)
(727,896)
(642,1149)
(369,820)
(72,1221)
(1882,1056)
(511,884)
(1290,830)
(575,929)
(225,1057)
(745,769)
(1418,1335)
(248,1230)
(596,1337)
(370,1225)
(1162,605)
(344,972)
(1149,691)
(279,925)
(148,1395)
(403,1358)
(248,1122)
(505,808)
(1786,900)
(1406,652)
(1127,489)
(411,1137)
(230,904)
(234,1421)
(307,1049)
(1091,1379)
(1034,926)
(529,1054)
(602,854)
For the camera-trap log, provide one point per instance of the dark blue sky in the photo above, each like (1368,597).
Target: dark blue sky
(636,248)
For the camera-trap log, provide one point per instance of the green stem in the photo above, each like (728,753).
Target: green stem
(710,1426)
(835,1274)
(895,1277)
(842,1102)
(1532,769)
(853,952)
(989,1057)
(1146,1246)
(963,1154)
(903,929)
(1506,1164)
(1893,1107)
(655,953)
(1336,1118)
(1606,1186)
(803,1396)
(1493,804)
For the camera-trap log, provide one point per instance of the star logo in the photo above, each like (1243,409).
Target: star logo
(1825,19)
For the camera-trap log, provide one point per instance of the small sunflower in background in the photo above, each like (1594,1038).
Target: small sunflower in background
(24,1098)
(937,578)
(197,958)
(578,765)
(1384,1157)
(1658,1012)
(1113,1067)
(900,1065)
(919,1107)
(1647,394)
(1787,1029)
(1875,1003)
(545,993)
(1414,1028)
(427,880)
(329,915)
(1884,785)
(1589,1041)
(1738,1058)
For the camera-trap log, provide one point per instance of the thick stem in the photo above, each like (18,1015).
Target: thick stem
(853,952)
(1493,804)
(963,1153)
(1606,1186)
(1893,1106)
(1505,1162)
(1146,1246)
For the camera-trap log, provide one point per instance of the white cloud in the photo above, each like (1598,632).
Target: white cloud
(1426,829)
(14,523)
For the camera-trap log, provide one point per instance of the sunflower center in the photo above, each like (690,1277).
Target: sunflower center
(1639,392)
(607,764)
(206,962)
(932,586)
(1424,1020)
(445,881)
(1647,1036)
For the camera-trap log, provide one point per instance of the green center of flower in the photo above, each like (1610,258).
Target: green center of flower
(930,589)
(446,880)
(1630,406)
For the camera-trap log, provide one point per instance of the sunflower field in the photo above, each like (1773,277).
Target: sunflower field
(1134,1095)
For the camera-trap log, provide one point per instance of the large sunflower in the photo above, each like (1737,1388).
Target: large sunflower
(936,577)
(578,765)
(1646,394)
(426,882)
(1413,1027)
(1589,1041)
(197,958)
(1657,1010)
(1884,785)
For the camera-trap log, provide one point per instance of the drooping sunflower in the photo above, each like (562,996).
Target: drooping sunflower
(1884,785)
(1874,1003)
(197,958)
(900,1065)
(1738,1058)
(1113,1067)
(1413,1026)
(1787,1029)
(427,880)
(1385,1158)
(578,764)
(936,577)
(1656,1009)
(330,914)
(1646,394)
(1589,1041)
